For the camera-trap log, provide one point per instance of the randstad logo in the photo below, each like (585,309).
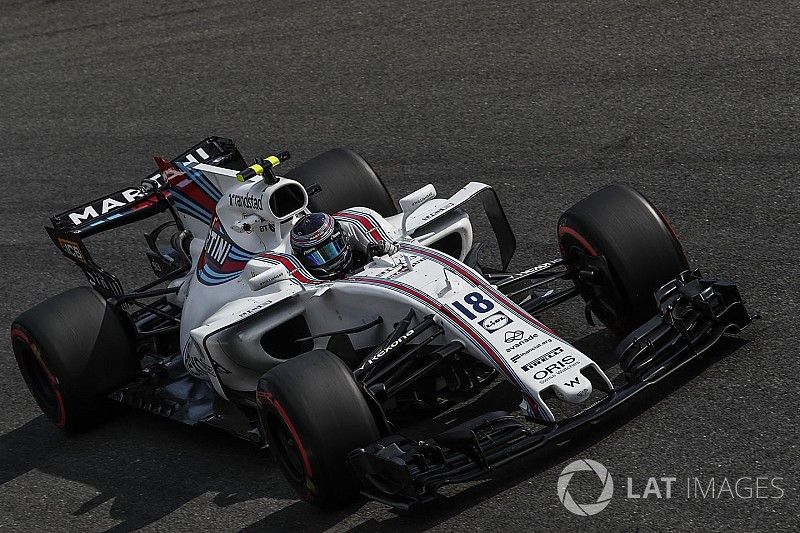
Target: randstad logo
(585,509)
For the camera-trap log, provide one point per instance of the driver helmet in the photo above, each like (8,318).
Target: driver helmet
(319,242)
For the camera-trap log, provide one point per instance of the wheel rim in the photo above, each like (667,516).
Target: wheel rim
(601,295)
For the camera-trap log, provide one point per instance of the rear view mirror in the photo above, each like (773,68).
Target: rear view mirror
(412,202)
(271,275)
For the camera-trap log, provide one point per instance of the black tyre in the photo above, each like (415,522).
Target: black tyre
(626,249)
(347,180)
(313,415)
(72,351)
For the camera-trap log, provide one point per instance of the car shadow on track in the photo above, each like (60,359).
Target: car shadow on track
(146,466)
(151,467)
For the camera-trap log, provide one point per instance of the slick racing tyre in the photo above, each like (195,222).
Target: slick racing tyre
(313,415)
(347,180)
(72,351)
(625,249)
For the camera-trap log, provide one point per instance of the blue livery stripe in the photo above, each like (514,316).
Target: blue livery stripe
(185,205)
(201,181)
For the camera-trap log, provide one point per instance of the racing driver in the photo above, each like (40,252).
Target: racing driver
(327,247)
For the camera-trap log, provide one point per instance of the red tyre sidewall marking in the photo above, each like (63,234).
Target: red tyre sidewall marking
(671,229)
(19,334)
(270,399)
(566,230)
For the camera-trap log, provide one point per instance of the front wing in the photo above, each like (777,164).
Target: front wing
(694,314)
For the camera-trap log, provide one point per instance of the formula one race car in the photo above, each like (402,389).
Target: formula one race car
(237,332)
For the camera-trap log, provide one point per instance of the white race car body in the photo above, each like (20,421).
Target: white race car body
(246,283)
(235,332)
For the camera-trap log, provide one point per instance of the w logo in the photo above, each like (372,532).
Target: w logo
(573,382)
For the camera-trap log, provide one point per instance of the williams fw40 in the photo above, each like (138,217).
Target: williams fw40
(234,331)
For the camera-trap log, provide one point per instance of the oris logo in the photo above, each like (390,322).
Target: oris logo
(555,367)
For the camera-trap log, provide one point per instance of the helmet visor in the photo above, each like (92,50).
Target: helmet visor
(325,253)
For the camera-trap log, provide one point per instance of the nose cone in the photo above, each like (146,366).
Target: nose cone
(573,389)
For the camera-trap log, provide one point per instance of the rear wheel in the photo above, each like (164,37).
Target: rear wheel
(625,249)
(72,351)
(313,415)
(347,180)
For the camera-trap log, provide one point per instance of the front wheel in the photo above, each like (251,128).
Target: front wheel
(624,249)
(313,414)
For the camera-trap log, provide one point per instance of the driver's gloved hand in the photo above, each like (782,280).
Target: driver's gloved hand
(382,248)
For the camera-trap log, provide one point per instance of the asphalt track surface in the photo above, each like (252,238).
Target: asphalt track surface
(693,103)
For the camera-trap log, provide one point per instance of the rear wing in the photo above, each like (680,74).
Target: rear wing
(127,206)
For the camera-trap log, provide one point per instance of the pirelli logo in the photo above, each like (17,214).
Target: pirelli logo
(539,360)
(217,247)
